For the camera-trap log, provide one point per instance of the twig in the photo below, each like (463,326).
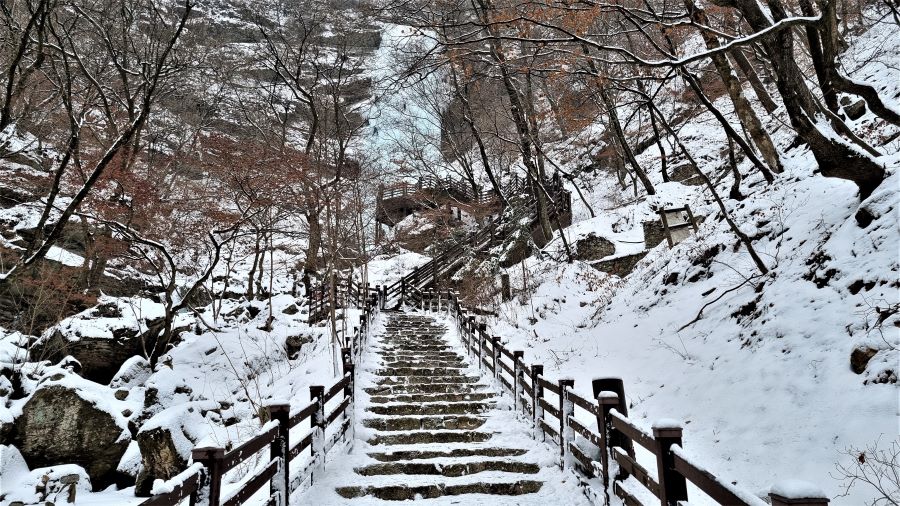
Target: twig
(726,292)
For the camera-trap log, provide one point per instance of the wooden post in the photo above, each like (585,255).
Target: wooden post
(402,290)
(505,288)
(687,209)
(672,485)
(537,393)
(566,409)
(349,390)
(495,348)
(317,449)
(281,413)
(607,401)
(212,460)
(476,337)
(518,374)
(617,386)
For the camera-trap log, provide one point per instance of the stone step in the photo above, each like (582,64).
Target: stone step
(431,491)
(437,397)
(429,363)
(450,358)
(485,451)
(416,380)
(421,350)
(444,422)
(427,437)
(425,388)
(453,469)
(423,347)
(432,408)
(420,371)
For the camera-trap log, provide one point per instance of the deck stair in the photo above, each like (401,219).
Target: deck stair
(434,429)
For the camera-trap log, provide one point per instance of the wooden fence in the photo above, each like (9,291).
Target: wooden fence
(604,456)
(342,292)
(326,420)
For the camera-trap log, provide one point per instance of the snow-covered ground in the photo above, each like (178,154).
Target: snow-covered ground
(757,368)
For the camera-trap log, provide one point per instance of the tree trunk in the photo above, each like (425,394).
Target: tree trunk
(762,94)
(836,81)
(742,107)
(834,156)
(314,242)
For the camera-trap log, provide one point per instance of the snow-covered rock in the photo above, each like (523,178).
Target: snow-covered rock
(165,442)
(72,420)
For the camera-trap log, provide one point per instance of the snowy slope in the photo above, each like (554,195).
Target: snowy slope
(762,380)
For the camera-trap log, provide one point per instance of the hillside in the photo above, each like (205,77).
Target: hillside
(210,211)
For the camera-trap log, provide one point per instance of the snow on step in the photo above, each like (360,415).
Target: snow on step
(429,429)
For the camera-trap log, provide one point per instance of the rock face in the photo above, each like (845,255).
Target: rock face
(59,425)
(654,233)
(160,459)
(620,266)
(105,337)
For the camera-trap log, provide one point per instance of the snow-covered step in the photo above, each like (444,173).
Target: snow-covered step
(431,408)
(422,388)
(410,380)
(425,437)
(411,492)
(421,371)
(447,453)
(431,362)
(431,397)
(449,468)
(406,423)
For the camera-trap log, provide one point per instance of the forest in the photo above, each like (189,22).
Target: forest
(212,207)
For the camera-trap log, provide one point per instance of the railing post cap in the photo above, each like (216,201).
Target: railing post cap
(566,382)
(608,397)
(275,405)
(667,427)
(207,452)
(797,493)
(518,353)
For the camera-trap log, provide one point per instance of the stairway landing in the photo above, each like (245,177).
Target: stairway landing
(429,428)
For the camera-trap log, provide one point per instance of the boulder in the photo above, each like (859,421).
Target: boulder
(165,442)
(106,336)
(853,109)
(860,357)
(133,373)
(593,247)
(293,344)
(71,421)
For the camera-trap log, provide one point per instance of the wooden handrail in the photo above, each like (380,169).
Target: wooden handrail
(202,481)
(616,433)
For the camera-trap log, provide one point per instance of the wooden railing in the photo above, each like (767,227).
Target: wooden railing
(558,414)
(429,273)
(431,185)
(342,292)
(327,418)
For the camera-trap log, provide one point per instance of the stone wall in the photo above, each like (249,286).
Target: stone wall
(620,266)
(653,233)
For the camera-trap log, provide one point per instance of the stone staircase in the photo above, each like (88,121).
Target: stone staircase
(429,428)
